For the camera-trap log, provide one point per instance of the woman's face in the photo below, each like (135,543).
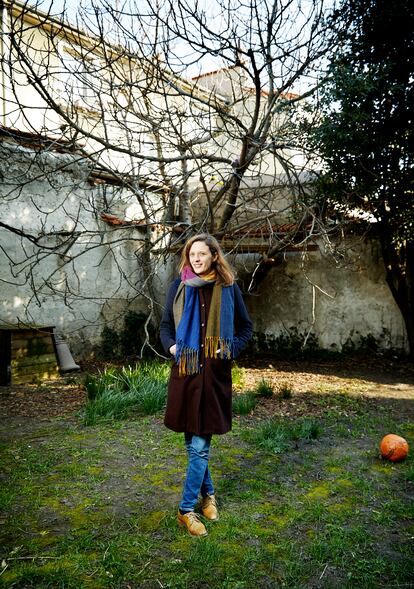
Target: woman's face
(201,258)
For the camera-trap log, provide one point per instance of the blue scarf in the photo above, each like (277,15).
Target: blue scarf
(220,330)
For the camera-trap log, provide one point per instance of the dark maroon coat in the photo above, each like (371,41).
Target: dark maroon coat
(201,403)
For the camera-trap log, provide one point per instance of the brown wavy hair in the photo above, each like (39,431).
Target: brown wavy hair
(225,274)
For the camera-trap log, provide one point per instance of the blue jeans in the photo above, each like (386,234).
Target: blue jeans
(198,479)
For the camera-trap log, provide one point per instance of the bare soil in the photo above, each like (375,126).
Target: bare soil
(373,379)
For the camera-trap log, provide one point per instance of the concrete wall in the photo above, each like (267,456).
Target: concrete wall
(87,282)
(357,304)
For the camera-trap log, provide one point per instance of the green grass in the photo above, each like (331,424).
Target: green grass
(264,389)
(305,503)
(244,403)
(276,436)
(117,393)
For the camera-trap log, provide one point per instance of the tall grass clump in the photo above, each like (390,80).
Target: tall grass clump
(264,389)
(276,436)
(244,403)
(285,390)
(116,393)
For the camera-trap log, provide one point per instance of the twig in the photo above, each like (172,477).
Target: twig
(144,567)
(29,557)
(323,572)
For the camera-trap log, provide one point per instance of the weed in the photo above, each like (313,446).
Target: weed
(306,430)
(276,436)
(244,403)
(285,390)
(238,376)
(115,393)
(264,389)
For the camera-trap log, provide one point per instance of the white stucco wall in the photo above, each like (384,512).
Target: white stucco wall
(359,304)
(49,192)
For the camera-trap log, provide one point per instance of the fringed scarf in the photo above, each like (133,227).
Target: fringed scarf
(186,308)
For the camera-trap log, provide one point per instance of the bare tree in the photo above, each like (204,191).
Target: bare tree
(121,92)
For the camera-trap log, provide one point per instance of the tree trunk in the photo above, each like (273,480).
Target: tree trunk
(399,267)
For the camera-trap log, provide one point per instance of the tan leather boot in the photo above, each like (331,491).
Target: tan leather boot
(209,507)
(191,521)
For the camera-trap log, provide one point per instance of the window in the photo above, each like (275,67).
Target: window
(78,80)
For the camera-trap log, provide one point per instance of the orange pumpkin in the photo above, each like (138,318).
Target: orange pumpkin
(394,448)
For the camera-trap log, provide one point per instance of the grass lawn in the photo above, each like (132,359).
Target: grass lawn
(305,501)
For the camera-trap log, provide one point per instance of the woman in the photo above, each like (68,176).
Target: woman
(204,326)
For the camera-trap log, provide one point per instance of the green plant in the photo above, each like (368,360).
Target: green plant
(276,436)
(238,376)
(109,349)
(306,430)
(271,436)
(244,403)
(264,388)
(285,390)
(114,393)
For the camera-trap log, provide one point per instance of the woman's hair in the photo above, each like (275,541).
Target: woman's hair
(225,274)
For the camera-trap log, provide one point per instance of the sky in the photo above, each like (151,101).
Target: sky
(208,63)
(56,8)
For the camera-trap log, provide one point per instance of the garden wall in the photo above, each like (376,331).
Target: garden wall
(86,273)
(341,306)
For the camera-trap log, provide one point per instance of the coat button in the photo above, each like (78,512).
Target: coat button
(203,324)
(201,366)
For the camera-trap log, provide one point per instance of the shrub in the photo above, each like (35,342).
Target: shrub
(109,349)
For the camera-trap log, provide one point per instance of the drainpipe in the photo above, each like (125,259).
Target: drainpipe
(64,356)
(3,54)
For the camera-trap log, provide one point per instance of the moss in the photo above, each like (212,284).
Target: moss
(281,521)
(319,491)
(343,483)
(334,469)
(151,521)
(77,516)
(138,478)
(340,508)
(95,470)
(382,467)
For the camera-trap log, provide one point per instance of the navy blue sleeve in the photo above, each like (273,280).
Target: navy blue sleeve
(167,327)
(243,327)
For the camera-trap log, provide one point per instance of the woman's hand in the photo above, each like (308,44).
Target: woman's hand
(173,349)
